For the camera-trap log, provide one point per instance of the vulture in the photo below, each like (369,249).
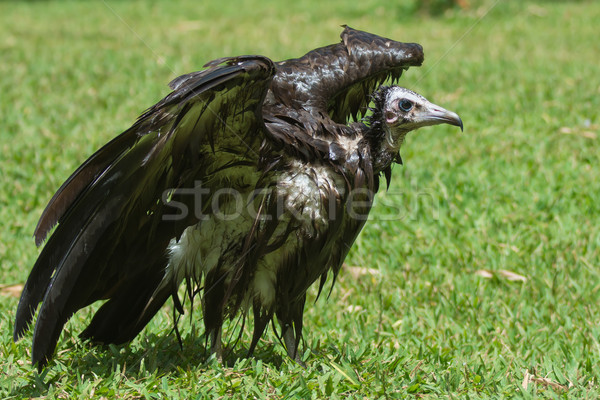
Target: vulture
(245,185)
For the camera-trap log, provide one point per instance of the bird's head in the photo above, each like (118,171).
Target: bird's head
(398,111)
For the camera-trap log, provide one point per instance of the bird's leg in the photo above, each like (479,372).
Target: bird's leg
(216,346)
(291,342)
(290,320)
(289,339)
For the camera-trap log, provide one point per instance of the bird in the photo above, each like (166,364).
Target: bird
(245,185)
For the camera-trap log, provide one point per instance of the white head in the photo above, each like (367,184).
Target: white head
(404,110)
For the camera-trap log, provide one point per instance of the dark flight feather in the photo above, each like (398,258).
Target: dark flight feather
(81,263)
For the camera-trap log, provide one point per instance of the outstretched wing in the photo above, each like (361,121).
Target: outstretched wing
(339,79)
(320,91)
(111,236)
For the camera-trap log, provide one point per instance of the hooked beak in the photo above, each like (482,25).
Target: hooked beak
(435,115)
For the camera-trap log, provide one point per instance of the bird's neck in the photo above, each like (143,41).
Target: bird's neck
(385,147)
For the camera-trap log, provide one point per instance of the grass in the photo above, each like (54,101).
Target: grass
(478,275)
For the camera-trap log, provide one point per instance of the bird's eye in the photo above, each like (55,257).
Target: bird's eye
(405,105)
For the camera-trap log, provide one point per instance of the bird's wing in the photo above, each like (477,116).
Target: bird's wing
(110,211)
(339,79)
(197,87)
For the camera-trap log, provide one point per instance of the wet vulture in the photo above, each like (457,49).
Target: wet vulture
(248,183)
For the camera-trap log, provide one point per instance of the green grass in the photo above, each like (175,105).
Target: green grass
(431,313)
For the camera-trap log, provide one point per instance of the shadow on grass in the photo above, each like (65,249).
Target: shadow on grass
(150,355)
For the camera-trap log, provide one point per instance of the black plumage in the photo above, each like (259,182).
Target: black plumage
(246,181)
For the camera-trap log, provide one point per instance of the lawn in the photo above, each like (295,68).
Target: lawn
(478,274)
